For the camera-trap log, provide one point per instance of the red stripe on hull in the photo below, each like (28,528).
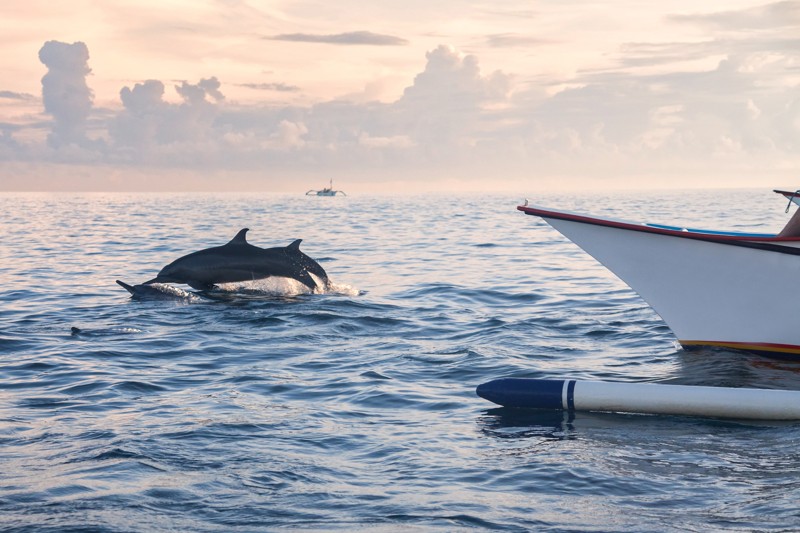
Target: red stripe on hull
(773,349)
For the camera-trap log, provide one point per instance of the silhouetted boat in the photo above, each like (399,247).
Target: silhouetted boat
(327,191)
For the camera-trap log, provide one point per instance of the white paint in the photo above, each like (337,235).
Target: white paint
(724,402)
(704,291)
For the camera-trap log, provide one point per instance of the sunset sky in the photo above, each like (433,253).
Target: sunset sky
(398,96)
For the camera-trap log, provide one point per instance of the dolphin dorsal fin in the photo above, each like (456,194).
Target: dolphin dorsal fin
(241,237)
(295,246)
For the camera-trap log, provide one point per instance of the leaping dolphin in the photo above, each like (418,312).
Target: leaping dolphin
(156,291)
(241,261)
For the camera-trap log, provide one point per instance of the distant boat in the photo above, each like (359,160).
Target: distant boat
(327,191)
(712,288)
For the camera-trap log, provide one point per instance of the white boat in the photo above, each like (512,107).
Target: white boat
(326,191)
(712,288)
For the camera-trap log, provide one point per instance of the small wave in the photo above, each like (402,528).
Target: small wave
(373,375)
(8,345)
(138,386)
(452,293)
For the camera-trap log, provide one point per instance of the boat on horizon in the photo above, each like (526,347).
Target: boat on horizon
(712,288)
(325,191)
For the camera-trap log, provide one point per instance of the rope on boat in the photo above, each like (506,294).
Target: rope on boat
(796,193)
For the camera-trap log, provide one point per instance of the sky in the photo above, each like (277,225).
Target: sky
(412,96)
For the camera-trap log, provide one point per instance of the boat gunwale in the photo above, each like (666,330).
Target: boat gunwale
(761,241)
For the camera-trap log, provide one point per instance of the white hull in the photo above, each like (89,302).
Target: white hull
(713,289)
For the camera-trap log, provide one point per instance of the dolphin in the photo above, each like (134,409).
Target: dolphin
(155,292)
(241,261)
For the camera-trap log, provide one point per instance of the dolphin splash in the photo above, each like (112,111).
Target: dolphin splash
(241,261)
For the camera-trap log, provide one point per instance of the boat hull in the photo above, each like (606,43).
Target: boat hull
(711,290)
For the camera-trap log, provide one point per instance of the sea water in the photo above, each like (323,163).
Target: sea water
(269,407)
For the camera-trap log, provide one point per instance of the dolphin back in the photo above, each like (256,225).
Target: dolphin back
(237,261)
(306,265)
(240,238)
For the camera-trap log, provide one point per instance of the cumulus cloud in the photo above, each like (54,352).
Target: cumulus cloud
(149,122)
(446,104)
(144,98)
(451,80)
(290,134)
(349,38)
(198,93)
(65,93)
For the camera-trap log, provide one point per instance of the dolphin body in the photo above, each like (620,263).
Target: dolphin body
(241,261)
(155,292)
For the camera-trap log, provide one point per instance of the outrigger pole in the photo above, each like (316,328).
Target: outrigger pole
(646,398)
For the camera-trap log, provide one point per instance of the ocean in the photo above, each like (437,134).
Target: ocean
(269,408)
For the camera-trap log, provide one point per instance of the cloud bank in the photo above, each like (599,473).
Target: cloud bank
(735,121)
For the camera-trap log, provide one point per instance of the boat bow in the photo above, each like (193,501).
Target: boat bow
(712,288)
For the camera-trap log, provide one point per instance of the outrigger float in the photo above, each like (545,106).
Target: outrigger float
(712,288)
(643,398)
